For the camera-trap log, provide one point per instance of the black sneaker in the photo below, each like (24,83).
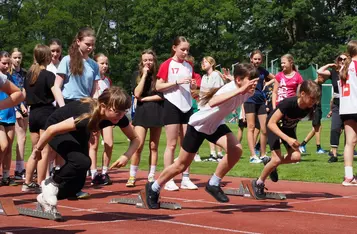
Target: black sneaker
(333,159)
(20,175)
(106,179)
(217,193)
(258,190)
(8,182)
(274,174)
(98,179)
(151,197)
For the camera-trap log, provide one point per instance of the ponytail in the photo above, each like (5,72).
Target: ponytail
(93,115)
(42,57)
(344,70)
(352,52)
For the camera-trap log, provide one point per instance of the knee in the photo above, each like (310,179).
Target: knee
(251,127)
(153,146)
(275,161)
(171,146)
(180,166)
(108,145)
(296,156)
(234,152)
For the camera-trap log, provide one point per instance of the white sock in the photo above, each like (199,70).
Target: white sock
(220,154)
(155,187)
(57,167)
(20,165)
(93,172)
(214,181)
(349,172)
(152,170)
(104,170)
(213,153)
(133,170)
(5,174)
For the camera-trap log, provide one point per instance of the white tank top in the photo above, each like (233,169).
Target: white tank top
(348,91)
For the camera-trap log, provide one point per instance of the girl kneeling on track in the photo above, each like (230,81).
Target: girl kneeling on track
(68,131)
(208,123)
(282,126)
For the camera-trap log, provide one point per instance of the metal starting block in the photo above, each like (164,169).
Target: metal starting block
(138,202)
(245,189)
(8,208)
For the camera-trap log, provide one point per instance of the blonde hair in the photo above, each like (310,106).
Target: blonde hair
(290,58)
(76,59)
(42,57)
(177,41)
(113,97)
(351,51)
(211,61)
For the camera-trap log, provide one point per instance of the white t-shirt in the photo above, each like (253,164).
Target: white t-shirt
(3,79)
(179,95)
(214,80)
(348,91)
(52,68)
(208,119)
(103,84)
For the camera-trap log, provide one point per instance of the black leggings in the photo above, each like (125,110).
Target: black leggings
(72,175)
(336,125)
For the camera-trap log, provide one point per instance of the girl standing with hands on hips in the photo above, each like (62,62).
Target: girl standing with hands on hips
(208,123)
(175,81)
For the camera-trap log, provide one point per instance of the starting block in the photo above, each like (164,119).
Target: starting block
(138,202)
(246,190)
(8,208)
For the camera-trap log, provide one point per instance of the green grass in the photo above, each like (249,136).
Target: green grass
(313,167)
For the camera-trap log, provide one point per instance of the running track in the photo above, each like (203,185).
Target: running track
(310,208)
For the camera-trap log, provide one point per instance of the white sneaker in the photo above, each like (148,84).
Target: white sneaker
(49,192)
(255,160)
(186,183)
(197,158)
(263,157)
(45,206)
(171,186)
(151,177)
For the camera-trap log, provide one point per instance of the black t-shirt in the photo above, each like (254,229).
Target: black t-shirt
(335,77)
(75,109)
(40,92)
(291,111)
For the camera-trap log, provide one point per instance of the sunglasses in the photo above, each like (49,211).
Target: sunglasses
(342,59)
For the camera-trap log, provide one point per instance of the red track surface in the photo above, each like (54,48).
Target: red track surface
(310,208)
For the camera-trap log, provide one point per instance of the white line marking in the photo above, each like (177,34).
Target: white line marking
(315,213)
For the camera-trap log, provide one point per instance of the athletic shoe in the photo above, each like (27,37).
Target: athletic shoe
(151,197)
(20,175)
(331,154)
(171,186)
(264,157)
(302,149)
(45,206)
(257,152)
(211,159)
(106,179)
(332,159)
(49,192)
(98,179)
(255,159)
(216,192)
(186,183)
(8,182)
(274,174)
(151,178)
(131,182)
(349,182)
(258,190)
(197,158)
(82,195)
(320,151)
(31,187)
(355,153)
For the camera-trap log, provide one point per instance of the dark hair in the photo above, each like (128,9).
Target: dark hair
(177,42)
(55,41)
(113,97)
(311,88)
(153,71)
(241,71)
(352,51)
(256,52)
(76,59)
(4,54)
(42,57)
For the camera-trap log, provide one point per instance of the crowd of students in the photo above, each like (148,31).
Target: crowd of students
(68,102)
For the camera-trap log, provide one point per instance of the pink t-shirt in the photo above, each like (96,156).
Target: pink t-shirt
(287,86)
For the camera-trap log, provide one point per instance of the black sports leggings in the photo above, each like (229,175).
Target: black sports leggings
(72,175)
(336,124)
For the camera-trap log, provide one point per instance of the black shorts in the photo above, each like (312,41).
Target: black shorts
(38,117)
(173,115)
(242,124)
(274,140)
(349,117)
(258,109)
(193,139)
(316,116)
(7,124)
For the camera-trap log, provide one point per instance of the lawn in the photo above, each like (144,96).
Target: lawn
(313,167)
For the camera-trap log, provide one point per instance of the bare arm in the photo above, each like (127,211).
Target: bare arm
(324,70)
(15,95)
(94,88)
(151,98)
(275,94)
(161,85)
(57,90)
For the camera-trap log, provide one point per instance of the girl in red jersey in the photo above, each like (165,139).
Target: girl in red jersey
(175,81)
(348,110)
